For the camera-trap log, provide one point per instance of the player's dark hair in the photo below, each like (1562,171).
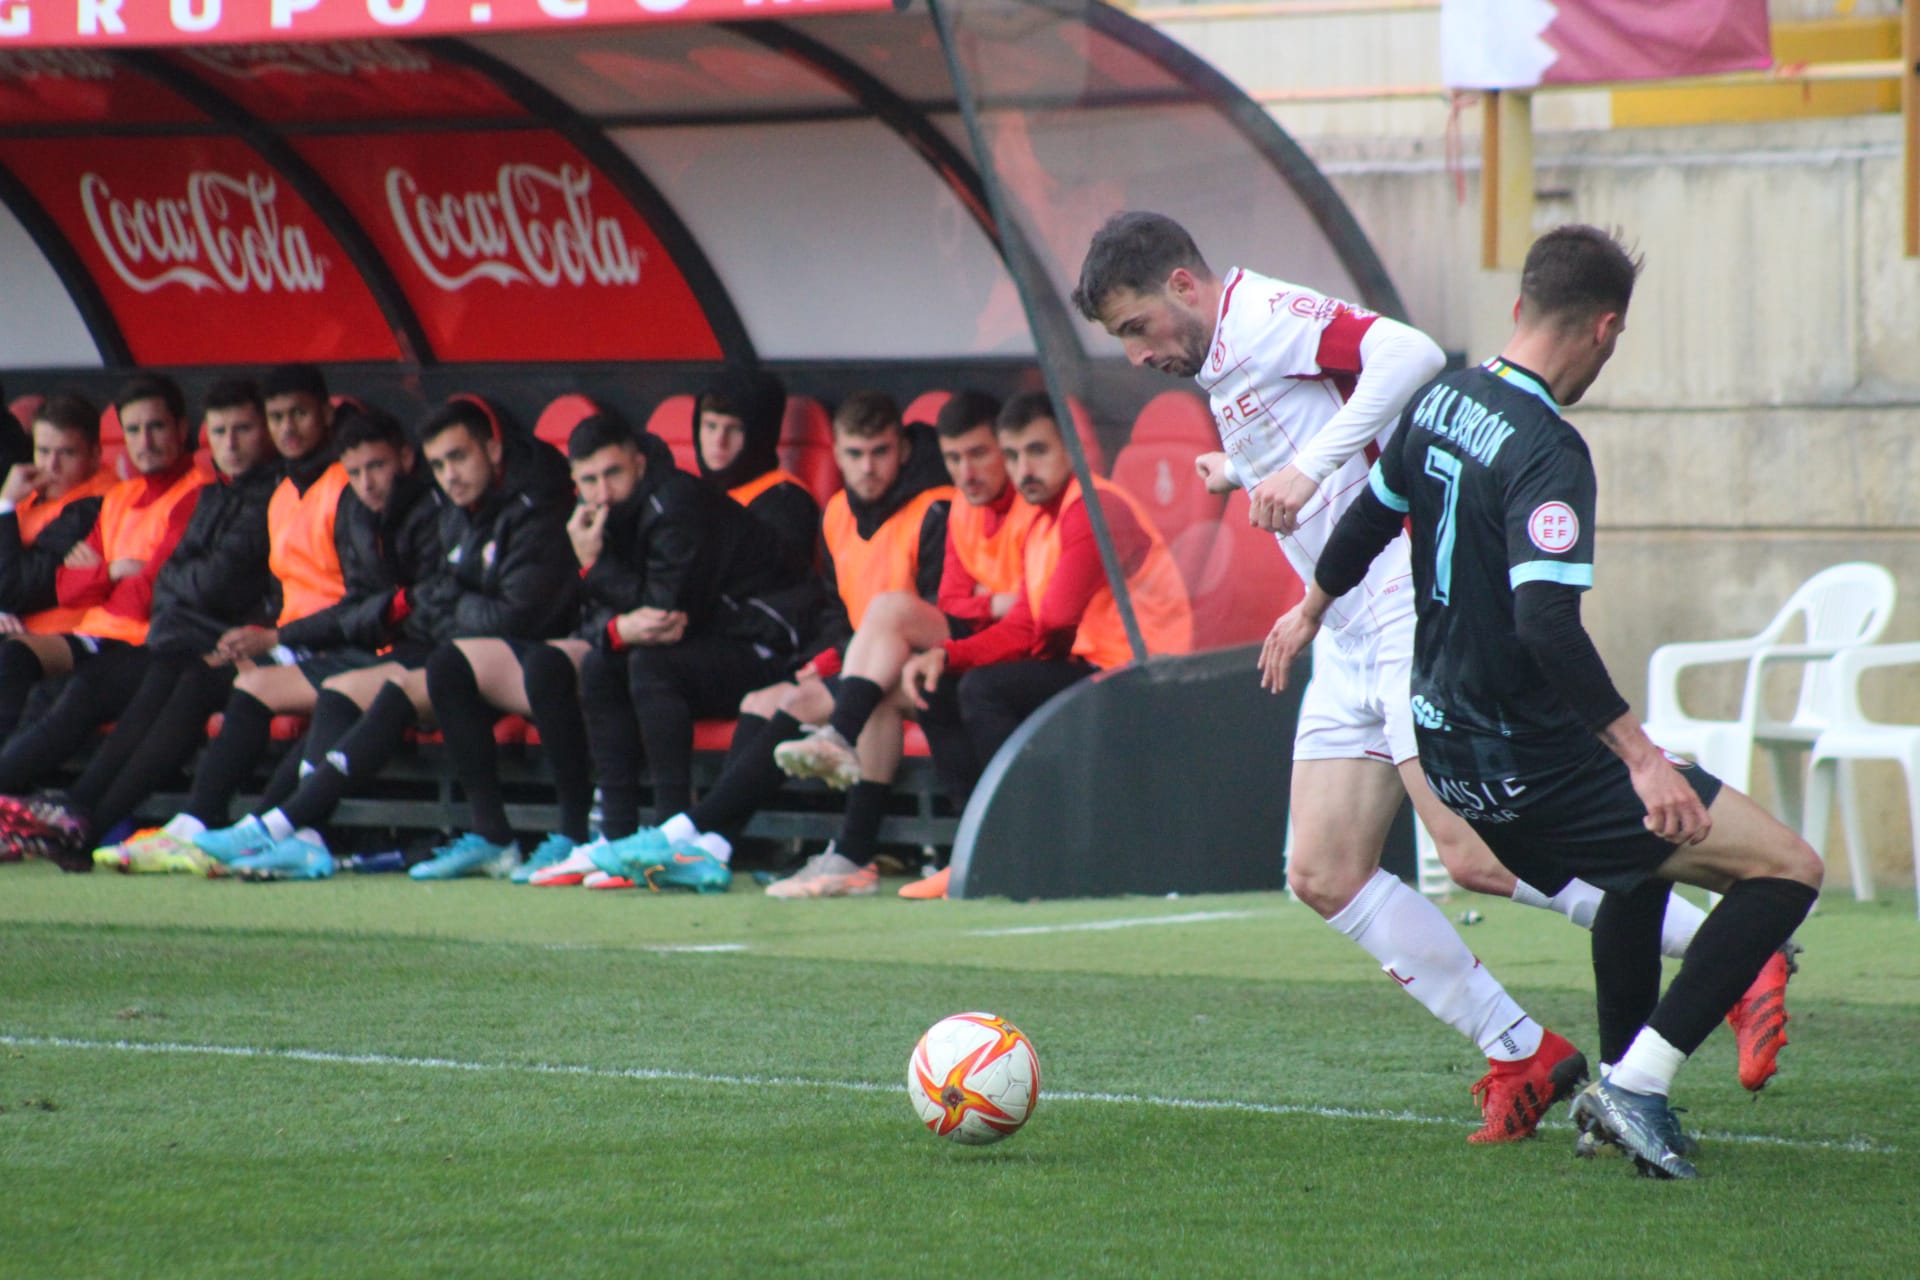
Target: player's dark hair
(151,386)
(355,425)
(965,411)
(293,380)
(234,393)
(599,431)
(458,412)
(1575,271)
(867,414)
(68,411)
(1024,410)
(1136,251)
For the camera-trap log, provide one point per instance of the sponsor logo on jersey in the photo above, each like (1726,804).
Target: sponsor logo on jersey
(1553,527)
(1426,715)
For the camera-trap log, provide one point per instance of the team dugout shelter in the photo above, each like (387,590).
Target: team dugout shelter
(553,203)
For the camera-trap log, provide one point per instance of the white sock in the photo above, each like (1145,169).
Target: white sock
(1648,1065)
(1579,901)
(1413,942)
(716,845)
(1677,929)
(184,826)
(679,829)
(276,824)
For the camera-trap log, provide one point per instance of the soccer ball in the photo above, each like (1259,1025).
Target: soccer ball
(973,1078)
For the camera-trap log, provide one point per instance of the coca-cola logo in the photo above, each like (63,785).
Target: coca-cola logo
(225,233)
(535,226)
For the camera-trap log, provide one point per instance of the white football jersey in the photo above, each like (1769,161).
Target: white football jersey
(1270,396)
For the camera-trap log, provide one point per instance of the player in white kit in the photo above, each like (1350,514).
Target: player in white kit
(1304,389)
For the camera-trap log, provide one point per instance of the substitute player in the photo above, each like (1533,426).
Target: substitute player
(1302,387)
(1520,728)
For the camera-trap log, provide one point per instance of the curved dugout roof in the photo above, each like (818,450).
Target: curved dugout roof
(641,180)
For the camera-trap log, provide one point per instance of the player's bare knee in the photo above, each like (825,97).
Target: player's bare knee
(1325,888)
(763,702)
(1472,866)
(1799,862)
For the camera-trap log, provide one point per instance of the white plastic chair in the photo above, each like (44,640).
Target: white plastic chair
(1853,737)
(1843,607)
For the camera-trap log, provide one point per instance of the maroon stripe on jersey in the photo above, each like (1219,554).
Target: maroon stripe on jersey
(1226,299)
(1340,341)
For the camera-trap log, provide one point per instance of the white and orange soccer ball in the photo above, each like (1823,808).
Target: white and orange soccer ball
(974,1078)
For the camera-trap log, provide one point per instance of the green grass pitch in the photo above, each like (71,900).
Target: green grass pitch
(371,1077)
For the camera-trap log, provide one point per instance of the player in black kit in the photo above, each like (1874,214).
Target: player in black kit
(1520,729)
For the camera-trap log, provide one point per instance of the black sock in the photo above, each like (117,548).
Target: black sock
(751,777)
(160,742)
(334,715)
(1626,963)
(553,695)
(466,722)
(230,759)
(1750,924)
(665,718)
(615,740)
(853,706)
(284,781)
(362,753)
(859,836)
(20,671)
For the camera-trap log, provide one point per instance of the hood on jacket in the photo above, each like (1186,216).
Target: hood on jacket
(759,400)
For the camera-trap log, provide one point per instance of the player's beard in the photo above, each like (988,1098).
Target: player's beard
(1193,337)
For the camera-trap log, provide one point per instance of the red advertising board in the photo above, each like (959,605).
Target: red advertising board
(351,80)
(56,23)
(204,254)
(511,246)
(79,86)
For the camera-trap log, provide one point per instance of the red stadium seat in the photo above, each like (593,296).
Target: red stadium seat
(672,421)
(558,419)
(24,407)
(281,728)
(806,447)
(1156,466)
(1243,583)
(113,444)
(1089,438)
(717,735)
(926,407)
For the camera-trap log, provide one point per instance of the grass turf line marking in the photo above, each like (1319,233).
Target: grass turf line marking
(324,1057)
(1128,922)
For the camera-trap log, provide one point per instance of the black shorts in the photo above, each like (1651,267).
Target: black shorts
(958,628)
(1575,816)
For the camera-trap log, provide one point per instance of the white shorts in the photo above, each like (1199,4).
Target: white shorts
(1357,706)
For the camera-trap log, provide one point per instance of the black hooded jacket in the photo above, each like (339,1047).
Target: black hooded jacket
(678,544)
(27,572)
(217,576)
(380,553)
(924,470)
(507,567)
(785,508)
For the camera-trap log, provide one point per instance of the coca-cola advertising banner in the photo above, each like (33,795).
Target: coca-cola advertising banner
(511,246)
(203,253)
(77,86)
(161,22)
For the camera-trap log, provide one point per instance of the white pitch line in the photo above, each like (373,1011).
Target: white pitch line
(1126,922)
(323,1057)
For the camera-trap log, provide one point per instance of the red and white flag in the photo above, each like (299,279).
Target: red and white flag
(1516,44)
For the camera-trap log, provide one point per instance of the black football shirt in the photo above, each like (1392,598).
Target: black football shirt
(1499,491)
